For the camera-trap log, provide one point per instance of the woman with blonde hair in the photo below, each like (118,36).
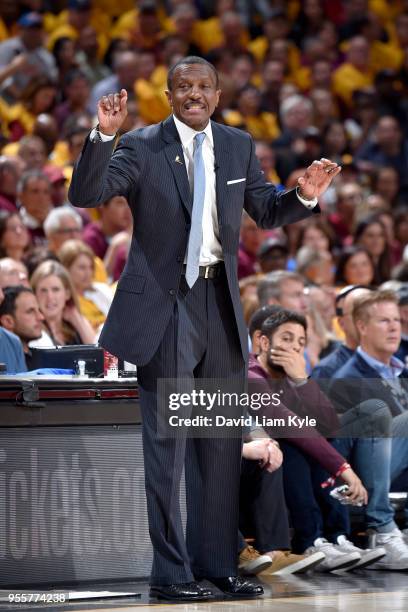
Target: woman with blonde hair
(63,322)
(94,298)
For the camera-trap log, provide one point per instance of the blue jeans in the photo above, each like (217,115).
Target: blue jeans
(379,461)
(313,513)
(371,460)
(399,455)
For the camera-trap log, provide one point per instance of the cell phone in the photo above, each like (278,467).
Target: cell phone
(340,493)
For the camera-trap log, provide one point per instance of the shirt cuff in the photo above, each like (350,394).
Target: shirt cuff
(297,383)
(96,136)
(308,203)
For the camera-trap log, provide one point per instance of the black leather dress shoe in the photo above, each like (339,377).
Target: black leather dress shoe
(237,586)
(188,591)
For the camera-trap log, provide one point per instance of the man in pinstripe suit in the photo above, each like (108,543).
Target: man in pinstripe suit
(173,328)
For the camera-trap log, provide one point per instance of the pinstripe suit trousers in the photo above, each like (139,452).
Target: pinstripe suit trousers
(201,341)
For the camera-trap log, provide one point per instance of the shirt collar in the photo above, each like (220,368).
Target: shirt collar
(187,133)
(28,219)
(392,370)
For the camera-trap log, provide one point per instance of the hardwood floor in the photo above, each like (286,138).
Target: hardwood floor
(364,591)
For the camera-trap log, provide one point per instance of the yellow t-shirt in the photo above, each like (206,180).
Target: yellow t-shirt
(91,312)
(4,33)
(128,21)
(100,274)
(263,126)
(61,28)
(260,46)
(347,78)
(152,101)
(208,35)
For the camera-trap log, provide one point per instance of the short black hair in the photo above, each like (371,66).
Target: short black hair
(8,305)
(189,60)
(271,324)
(260,316)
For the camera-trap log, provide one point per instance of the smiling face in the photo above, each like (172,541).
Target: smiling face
(359,270)
(194,95)
(52,297)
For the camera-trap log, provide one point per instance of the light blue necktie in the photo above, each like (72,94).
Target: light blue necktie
(196,230)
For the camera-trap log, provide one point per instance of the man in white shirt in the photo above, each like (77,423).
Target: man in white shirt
(24,56)
(176,312)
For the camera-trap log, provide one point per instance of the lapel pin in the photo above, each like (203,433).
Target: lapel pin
(178,160)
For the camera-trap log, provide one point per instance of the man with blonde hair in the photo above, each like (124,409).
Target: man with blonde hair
(373,373)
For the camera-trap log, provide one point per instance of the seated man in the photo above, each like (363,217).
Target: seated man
(13,272)
(21,315)
(326,367)
(374,374)
(402,352)
(263,513)
(11,351)
(308,455)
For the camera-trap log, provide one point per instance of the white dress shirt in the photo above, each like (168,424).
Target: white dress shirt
(211,250)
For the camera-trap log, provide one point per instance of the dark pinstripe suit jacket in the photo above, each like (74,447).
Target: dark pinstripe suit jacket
(143,169)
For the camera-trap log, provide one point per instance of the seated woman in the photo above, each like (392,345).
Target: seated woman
(14,238)
(94,298)
(38,97)
(370,233)
(63,322)
(354,267)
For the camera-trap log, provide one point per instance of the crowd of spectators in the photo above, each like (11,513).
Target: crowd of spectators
(307,79)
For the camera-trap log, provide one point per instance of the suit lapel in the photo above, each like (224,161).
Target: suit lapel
(175,157)
(366,370)
(222,164)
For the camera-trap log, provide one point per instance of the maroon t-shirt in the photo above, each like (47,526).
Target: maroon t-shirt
(246,263)
(95,238)
(7,204)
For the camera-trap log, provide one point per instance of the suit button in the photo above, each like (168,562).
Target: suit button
(172,292)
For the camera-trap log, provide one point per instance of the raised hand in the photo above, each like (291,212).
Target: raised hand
(317,178)
(112,112)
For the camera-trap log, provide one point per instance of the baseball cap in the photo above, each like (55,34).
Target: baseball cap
(54,174)
(272,243)
(31,20)
(147,7)
(80,5)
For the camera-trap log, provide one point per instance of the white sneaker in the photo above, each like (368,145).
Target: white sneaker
(285,562)
(368,555)
(335,559)
(396,549)
(405,535)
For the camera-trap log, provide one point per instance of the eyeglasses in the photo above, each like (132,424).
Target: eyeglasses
(20,227)
(68,230)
